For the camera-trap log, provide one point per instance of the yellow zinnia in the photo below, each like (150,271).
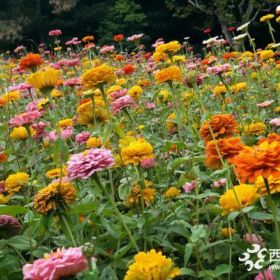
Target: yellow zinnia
(44,79)
(237,198)
(19,133)
(14,182)
(152,265)
(169,74)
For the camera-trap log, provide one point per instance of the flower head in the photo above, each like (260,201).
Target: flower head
(44,79)
(222,126)
(260,160)
(136,151)
(169,74)
(98,75)
(14,182)
(85,164)
(9,226)
(56,265)
(123,102)
(151,265)
(237,198)
(57,194)
(31,60)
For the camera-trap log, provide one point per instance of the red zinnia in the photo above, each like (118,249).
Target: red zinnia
(118,37)
(128,69)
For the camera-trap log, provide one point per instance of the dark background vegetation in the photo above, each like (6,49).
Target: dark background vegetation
(27,22)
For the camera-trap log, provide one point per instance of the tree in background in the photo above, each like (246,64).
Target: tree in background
(226,12)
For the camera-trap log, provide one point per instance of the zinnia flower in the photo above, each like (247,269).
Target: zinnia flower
(237,198)
(227,147)
(136,151)
(83,165)
(274,185)
(14,182)
(261,160)
(56,265)
(151,265)
(265,275)
(57,194)
(222,126)
(44,79)
(9,226)
(31,60)
(97,76)
(172,73)
(123,102)
(257,128)
(25,118)
(172,192)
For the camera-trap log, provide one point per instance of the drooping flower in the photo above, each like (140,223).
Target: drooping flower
(85,164)
(222,126)
(57,194)
(237,198)
(151,265)
(56,265)
(260,160)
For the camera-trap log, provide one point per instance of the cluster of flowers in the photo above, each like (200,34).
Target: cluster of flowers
(150,154)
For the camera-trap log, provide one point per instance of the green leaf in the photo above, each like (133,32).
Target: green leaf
(187,271)
(12,210)
(22,242)
(222,269)
(188,252)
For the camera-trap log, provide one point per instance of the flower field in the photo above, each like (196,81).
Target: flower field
(117,162)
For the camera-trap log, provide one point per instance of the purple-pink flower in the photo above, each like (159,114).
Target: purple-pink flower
(83,165)
(188,187)
(265,275)
(25,118)
(275,121)
(54,266)
(218,69)
(123,102)
(9,226)
(55,32)
(253,238)
(82,137)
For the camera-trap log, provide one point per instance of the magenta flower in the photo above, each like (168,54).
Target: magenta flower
(148,163)
(25,118)
(82,137)
(253,238)
(275,121)
(83,165)
(123,102)
(188,187)
(265,275)
(55,32)
(54,266)
(39,129)
(9,226)
(218,69)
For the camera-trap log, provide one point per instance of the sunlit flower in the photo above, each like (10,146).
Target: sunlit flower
(19,133)
(260,160)
(31,60)
(170,74)
(237,198)
(14,182)
(151,265)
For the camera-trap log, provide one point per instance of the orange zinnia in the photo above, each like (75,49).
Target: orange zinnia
(228,148)
(271,138)
(30,60)
(261,160)
(3,157)
(118,37)
(128,69)
(222,126)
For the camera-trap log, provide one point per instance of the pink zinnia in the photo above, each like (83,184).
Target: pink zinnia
(72,82)
(9,226)
(62,263)
(118,93)
(148,163)
(25,118)
(55,32)
(218,69)
(188,187)
(134,37)
(83,165)
(82,137)
(123,102)
(275,121)
(253,238)
(39,129)
(265,275)
(107,49)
